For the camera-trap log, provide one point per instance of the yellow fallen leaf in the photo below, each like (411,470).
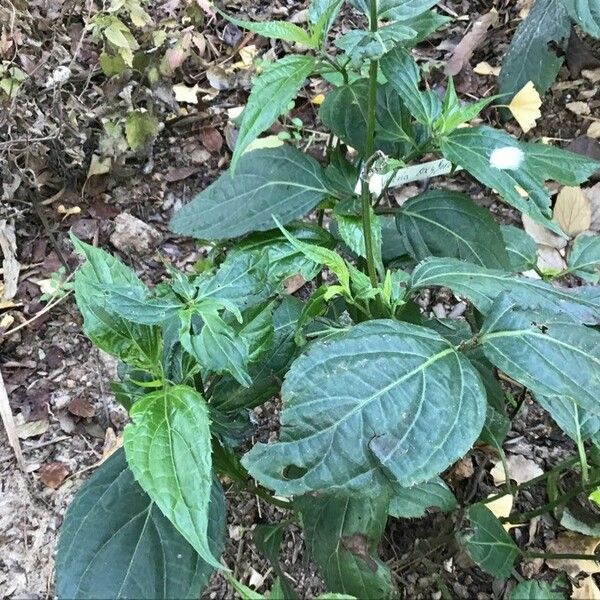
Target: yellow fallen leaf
(525,107)
(501,509)
(594,130)
(484,68)
(318,99)
(68,212)
(573,211)
(573,543)
(587,590)
(247,55)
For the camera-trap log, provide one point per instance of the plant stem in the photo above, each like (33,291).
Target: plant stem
(594,557)
(369,149)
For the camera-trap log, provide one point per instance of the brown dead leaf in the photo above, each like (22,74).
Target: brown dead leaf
(592,75)
(578,108)
(10,264)
(593,195)
(463,469)
(573,211)
(573,543)
(81,407)
(212,140)
(112,443)
(53,474)
(180,173)
(520,469)
(28,429)
(464,51)
(587,590)
(293,283)
(542,235)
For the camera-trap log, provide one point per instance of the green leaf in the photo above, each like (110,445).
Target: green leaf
(397,10)
(356,408)
(538,590)
(488,544)
(245,592)
(256,329)
(403,74)
(482,286)
(322,14)
(586,13)
(137,345)
(584,258)
(141,129)
(278,30)
(393,245)
(529,57)
(342,534)
(413,502)
(268,539)
(273,181)
(521,248)
(445,223)
(350,229)
(169,451)
(268,373)
(116,543)
(480,151)
(549,354)
(575,421)
(271,93)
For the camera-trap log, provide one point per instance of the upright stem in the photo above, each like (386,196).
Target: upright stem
(369,149)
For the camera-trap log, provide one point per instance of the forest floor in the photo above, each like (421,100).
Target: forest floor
(59,385)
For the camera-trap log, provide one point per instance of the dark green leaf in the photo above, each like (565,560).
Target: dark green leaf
(322,14)
(529,57)
(445,223)
(256,329)
(426,24)
(116,543)
(393,245)
(521,248)
(549,354)
(271,93)
(482,152)
(141,128)
(342,534)
(488,544)
(403,74)
(482,286)
(575,421)
(586,13)
(272,181)
(413,502)
(538,590)
(357,405)
(397,10)
(584,258)
(360,45)
(169,452)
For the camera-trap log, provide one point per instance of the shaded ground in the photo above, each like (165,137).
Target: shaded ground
(58,384)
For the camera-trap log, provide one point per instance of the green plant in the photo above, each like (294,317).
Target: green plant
(378,398)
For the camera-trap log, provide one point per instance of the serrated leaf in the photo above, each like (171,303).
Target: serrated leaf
(322,14)
(502,163)
(168,449)
(586,13)
(141,128)
(397,10)
(116,543)
(573,211)
(525,107)
(445,223)
(482,286)
(271,181)
(271,93)
(403,74)
(529,57)
(268,373)
(521,248)
(347,380)
(413,502)
(584,258)
(342,534)
(488,544)
(549,354)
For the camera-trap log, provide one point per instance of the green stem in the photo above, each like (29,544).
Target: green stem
(369,149)
(550,555)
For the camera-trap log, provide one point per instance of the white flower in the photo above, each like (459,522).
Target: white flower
(507,158)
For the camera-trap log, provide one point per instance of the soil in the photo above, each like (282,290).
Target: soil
(59,385)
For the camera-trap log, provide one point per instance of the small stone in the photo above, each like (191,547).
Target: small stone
(133,235)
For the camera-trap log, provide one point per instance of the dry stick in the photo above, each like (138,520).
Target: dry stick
(9,425)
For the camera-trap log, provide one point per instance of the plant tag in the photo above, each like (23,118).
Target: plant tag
(397,178)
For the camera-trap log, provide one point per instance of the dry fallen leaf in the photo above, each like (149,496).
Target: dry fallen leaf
(99,166)
(484,68)
(318,99)
(520,469)
(542,235)
(293,283)
(573,211)
(501,509)
(112,443)
(472,40)
(573,543)
(587,590)
(592,74)
(463,469)
(594,130)
(578,108)
(53,474)
(28,429)
(10,264)
(525,107)
(593,195)
(550,259)
(184,93)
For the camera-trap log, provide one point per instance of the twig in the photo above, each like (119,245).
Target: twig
(9,425)
(37,315)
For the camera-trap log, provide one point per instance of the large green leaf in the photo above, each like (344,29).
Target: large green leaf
(403,74)
(576,422)
(138,345)
(397,10)
(488,544)
(342,533)
(521,248)
(538,590)
(357,408)
(413,502)
(360,45)
(268,373)
(169,451)
(271,181)
(445,223)
(116,543)
(271,93)
(482,286)
(586,13)
(584,258)
(510,167)
(549,354)
(529,57)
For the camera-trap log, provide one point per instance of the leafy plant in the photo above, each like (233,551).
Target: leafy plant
(365,373)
